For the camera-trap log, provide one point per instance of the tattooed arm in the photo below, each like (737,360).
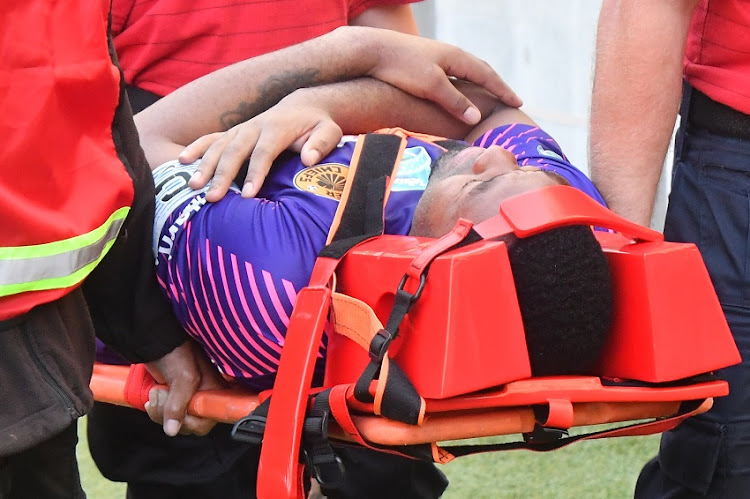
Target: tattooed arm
(236,93)
(312,121)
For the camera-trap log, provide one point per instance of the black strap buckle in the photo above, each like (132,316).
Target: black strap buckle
(329,472)
(324,465)
(543,434)
(379,345)
(249,429)
(413,297)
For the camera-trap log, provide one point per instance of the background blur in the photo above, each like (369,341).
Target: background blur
(544,49)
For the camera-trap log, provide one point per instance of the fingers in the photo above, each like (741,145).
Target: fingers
(274,140)
(181,390)
(198,148)
(191,425)
(322,140)
(429,75)
(467,67)
(262,139)
(442,92)
(180,371)
(265,152)
(224,158)
(186,370)
(197,426)
(438,87)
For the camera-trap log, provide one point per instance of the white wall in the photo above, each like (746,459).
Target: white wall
(543,48)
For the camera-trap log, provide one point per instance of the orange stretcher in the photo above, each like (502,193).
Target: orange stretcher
(669,334)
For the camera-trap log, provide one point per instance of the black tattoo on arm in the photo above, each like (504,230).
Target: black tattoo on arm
(268,94)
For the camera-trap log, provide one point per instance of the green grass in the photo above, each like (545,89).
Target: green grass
(590,469)
(95,485)
(595,469)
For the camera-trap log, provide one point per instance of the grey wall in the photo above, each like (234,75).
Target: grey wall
(542,48)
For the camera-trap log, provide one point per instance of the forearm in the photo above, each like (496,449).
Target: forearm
(367,104)
(636,96)
(238,92)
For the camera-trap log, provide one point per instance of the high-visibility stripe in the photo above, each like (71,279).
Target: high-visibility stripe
(59,264)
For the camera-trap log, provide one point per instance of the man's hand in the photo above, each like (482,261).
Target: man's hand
(424,68)
(186,370)
(299,126)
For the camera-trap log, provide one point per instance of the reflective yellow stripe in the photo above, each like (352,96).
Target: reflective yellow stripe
(58,264)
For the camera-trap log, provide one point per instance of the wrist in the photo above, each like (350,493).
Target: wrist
(361,45)
(318,98)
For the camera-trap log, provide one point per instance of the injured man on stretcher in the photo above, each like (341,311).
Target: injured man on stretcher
(232,267)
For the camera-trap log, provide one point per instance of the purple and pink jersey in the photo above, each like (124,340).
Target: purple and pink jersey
(232,269)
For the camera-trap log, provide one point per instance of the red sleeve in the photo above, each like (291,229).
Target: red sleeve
(120,13)
(356,7)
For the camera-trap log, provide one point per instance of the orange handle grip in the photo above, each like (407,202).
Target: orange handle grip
(226,406)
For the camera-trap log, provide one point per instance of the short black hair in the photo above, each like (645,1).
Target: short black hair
(564,292)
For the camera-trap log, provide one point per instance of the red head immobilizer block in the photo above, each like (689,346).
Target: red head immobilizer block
(463,334)
(668,323)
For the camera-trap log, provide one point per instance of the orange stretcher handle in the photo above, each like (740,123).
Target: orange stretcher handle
(230,405)
(225,406)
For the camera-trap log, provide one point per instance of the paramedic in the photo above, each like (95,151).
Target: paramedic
(76,204)
(649,55)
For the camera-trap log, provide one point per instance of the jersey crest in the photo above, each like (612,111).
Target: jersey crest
(325,180)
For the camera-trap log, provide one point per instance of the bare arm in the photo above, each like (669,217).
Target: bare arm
(367,104)
(636,96)
(312,121)
(395,17)
(236,93)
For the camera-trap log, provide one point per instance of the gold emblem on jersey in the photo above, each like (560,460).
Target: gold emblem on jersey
(327,180)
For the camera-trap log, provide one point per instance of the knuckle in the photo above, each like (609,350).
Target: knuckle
(187,377)
(461,102)
(456,52)
(218,178)
(434,78)
(261,151)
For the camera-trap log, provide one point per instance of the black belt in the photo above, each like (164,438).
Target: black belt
(715,117)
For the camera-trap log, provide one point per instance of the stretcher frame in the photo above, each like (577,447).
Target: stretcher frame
(657,409)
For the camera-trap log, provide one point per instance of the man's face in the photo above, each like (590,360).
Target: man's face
(471,182)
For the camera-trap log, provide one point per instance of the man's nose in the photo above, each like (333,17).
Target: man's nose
(495,160)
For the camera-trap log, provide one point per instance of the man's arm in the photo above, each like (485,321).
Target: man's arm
(313,120)
(636,96)
(366,104)
(236,93)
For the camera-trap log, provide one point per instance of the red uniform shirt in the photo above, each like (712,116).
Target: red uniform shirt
(717,56)
(164,44)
